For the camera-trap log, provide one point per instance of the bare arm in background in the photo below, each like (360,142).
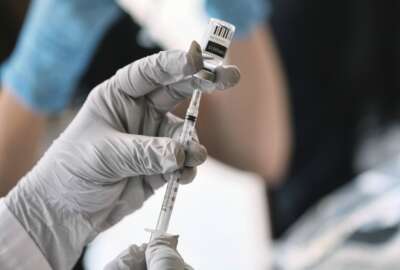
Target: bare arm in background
(42,72)
(249,127)
(20,134)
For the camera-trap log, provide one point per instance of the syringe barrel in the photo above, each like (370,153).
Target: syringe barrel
(167,206)
(173,184)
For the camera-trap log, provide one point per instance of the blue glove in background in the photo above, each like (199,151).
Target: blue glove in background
(244,14)
(54,48)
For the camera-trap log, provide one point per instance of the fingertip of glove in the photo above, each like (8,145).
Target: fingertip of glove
(235,74)
(194,59)
(188,175)
(196,154)
(227,76)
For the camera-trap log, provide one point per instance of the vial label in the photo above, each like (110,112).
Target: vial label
(216,49)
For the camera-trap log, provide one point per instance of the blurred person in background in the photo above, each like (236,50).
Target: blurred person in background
(342,84)
(333,68)
(344,91)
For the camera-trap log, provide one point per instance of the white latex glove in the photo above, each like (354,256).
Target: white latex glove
(113,155)
(159,254)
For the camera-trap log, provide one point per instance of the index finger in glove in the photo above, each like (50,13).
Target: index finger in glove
(166,67)
(164,99)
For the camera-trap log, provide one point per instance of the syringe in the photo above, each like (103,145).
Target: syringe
(215,45)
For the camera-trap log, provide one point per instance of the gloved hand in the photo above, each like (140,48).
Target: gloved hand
(54,47)
(159,254)
(116,151)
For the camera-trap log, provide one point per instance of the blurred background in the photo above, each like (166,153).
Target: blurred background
(304,160)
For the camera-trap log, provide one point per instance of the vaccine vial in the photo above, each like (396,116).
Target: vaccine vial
(216,41)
